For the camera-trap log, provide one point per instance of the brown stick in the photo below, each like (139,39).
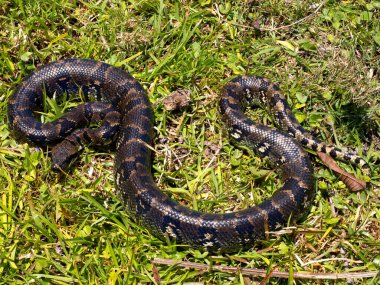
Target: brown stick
(312,14)
(263,272)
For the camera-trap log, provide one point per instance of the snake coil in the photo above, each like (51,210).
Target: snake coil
(126,114)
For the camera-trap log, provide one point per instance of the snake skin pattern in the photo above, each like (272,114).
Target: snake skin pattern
(127,117)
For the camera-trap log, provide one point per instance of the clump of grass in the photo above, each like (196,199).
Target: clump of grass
(73,229)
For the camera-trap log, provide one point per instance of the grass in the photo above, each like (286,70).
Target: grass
(71,229)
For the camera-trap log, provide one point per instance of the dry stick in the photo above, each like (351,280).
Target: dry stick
(264,273)
(299,21)
(286,26)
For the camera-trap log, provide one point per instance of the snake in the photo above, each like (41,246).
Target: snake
(120,106)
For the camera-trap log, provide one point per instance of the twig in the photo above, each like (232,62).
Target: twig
(285,26)
(298,21)
(264,273)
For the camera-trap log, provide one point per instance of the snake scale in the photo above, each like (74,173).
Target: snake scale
(123,108)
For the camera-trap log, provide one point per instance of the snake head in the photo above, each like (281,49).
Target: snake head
(63,154)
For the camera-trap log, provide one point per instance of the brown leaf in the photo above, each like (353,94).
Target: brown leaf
(177,100)
(156,276)
(353,183)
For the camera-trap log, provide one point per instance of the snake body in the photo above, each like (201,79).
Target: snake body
(127,117)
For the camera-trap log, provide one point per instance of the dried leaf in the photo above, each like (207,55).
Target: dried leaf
(351,182)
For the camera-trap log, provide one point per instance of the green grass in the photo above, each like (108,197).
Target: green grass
(71,229)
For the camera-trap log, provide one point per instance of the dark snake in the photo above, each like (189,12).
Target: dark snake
(126,114)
